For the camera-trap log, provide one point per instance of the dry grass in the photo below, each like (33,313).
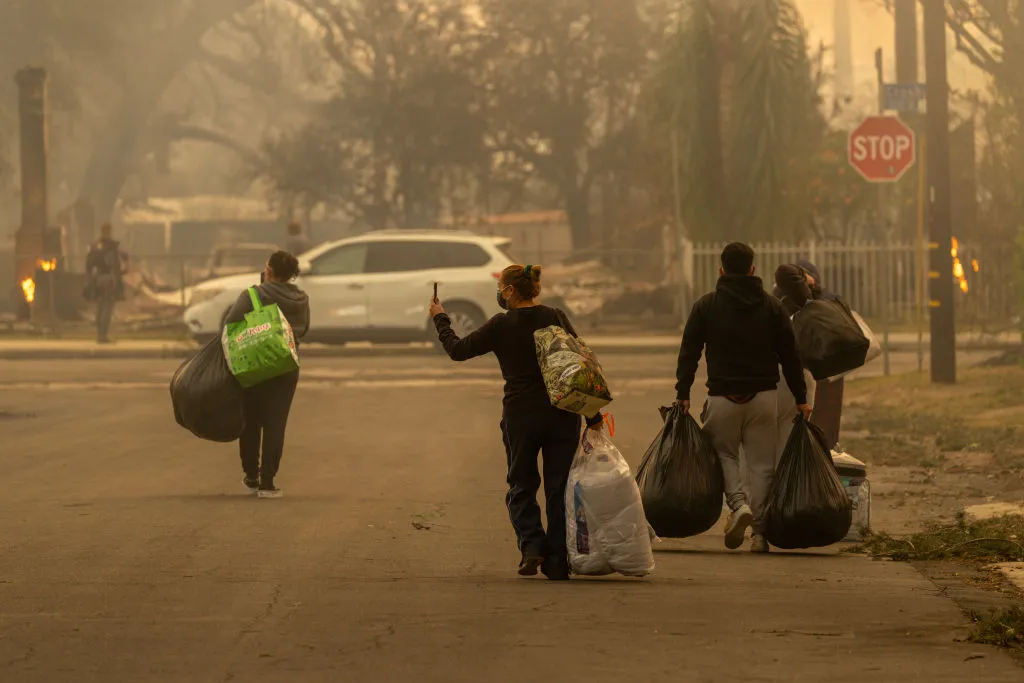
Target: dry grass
(987,541)
(1004,628)
(907,421)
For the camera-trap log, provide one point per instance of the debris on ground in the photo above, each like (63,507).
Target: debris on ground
(591,289)
(1003,628)
(935,449)
(999,539)
(584,287)
(1011,357)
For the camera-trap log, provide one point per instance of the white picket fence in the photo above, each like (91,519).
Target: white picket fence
(868,275)
(865,274)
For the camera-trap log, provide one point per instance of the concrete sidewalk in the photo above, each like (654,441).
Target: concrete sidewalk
(74,349)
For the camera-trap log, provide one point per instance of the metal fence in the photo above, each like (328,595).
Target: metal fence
(867,275)
(879,280)
(882,280)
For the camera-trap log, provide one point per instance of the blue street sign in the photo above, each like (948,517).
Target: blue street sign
(902,96)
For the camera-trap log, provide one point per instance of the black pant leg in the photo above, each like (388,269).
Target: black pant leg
(521,435)
(828,409)
(561,440)
(252,434)
(104,314)
(277,397)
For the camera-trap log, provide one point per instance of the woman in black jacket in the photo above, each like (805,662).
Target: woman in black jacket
(793,290)
(530,424)
(828,397)
(267,404)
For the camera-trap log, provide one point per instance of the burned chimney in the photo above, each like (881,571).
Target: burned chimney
(38,247)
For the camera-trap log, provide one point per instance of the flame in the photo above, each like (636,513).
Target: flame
(28,286)
(974,265)
(958,268)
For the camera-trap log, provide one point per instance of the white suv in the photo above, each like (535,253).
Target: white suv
(377,287)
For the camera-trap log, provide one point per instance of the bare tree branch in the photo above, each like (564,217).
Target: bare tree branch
(185,131)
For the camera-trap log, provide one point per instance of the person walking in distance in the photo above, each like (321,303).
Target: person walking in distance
(298,243)
(268,404)
(747,336)
(793,291)
(105,266)
(530,425)
(828,396)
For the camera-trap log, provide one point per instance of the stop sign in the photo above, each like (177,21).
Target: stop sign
(882,148)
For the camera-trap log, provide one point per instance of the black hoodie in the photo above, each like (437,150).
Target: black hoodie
(291,300)
(747,335)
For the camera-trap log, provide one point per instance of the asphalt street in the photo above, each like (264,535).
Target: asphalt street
(129,552)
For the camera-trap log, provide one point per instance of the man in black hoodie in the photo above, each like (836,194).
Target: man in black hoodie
(747,335)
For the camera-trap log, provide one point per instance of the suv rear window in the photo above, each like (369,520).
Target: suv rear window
(403,257)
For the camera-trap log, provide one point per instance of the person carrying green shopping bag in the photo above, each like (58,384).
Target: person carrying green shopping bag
(260,339)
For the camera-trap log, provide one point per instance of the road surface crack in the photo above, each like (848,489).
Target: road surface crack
(268,610)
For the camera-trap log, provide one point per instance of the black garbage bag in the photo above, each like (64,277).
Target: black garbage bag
(680,479)
(207,399)
(829,339)
(807,506)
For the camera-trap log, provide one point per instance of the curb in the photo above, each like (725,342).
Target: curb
(180,352)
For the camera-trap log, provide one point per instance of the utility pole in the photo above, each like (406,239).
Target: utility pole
(940,275)
(886,226)
(907,55)
(905,14)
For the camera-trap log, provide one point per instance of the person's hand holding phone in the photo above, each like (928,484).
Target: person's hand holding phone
(436,308)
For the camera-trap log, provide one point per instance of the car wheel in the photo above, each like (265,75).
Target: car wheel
(466,319)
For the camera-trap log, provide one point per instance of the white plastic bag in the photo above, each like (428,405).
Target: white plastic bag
(876,346)
(606,529)
(874,351)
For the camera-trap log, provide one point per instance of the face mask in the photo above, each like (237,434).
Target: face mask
(502,303)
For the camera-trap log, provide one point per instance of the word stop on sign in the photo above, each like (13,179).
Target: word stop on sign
(882,148)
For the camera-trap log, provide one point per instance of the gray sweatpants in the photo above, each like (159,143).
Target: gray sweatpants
(752,427)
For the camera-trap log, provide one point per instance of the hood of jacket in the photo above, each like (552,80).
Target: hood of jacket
(810,268)
(292,301)
(791,288)
(818,289)
(743,291)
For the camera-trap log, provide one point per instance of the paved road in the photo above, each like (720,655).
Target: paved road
(130,554)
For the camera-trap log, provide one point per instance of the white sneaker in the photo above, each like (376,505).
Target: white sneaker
(759,545)
(736,527)
(270,493)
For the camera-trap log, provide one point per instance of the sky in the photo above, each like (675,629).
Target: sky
(872,27)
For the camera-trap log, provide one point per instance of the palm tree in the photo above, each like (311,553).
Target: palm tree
(738,89)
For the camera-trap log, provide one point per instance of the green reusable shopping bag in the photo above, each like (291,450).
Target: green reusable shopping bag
(262,347)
